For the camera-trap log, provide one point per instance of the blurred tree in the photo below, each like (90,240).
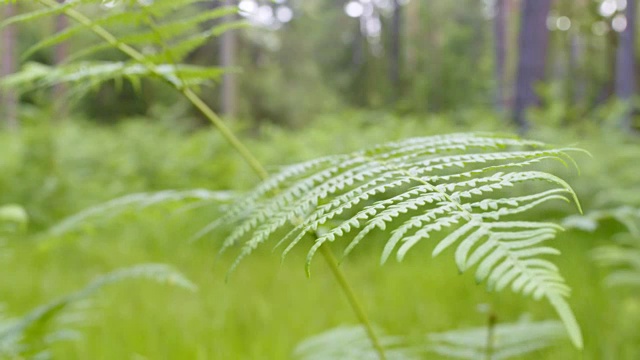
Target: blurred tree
(500,46)
(413,32)
(59,56)
(395,50)
(228,43)
(625,82)
(8,98)
(532,54)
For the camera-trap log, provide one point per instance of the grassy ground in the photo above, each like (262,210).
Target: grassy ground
(266,308)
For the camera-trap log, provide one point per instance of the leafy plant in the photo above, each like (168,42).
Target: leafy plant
(623,257)
(352,342)
(456,185)
(13,217)
(507,341)
(453,185)
(168,31)
(31,335)
(140,201)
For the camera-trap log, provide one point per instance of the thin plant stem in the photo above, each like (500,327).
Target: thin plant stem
(352,298)
(246,154)
(491,325)
(185,90)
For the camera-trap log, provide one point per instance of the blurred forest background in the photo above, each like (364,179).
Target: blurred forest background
(298,59)
(302,79)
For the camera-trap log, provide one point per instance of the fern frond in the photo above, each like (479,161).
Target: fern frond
(509,340)
(159,36)
(137,201)
(13,217)
(468,190)
(351,343)
(17,335)
(623,256)
(95,73)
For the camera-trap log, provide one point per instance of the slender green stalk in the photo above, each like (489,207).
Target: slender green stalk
(491,325)
(225,131)
(353,299)
(186,91)
(236,144)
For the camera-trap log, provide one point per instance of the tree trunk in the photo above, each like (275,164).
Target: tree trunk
(8,98)
(532,51)
(394,49)
(625,84)
(413,33)
(500,47)
(60,54)
(228,44)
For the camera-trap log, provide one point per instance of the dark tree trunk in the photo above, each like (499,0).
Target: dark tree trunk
(500,46)
(228,44)
(394,49)
(413,34)
(60,54)
(8,98)
(358,56)
(625,84)
(532,52)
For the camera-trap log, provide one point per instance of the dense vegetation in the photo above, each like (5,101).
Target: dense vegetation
(104,195)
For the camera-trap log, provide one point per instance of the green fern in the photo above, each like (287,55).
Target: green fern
(31,335)
(509,341)
(622,257)
(13,218)
(167,31)
(461,186)
(138,201)
(352,343)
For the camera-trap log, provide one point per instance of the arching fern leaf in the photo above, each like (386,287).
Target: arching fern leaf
(470,189)
(157,37)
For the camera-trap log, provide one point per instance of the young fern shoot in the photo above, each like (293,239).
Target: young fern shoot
(471,188)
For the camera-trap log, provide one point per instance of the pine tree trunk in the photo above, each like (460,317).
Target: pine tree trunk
(500,47)
(625,84)
(395,46)
(8,98)
(532,52)
(412,35)
(228,43)
(60,54)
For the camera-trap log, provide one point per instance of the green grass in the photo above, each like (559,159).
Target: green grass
(266,308)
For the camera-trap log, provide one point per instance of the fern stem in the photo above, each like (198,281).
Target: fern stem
(186,91)
(235,143)
(226,132)
(491,325)
(353,299)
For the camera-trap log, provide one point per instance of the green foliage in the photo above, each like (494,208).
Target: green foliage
(624,256)
(57,172)
(508,341)
(31,335)
(351,342)
(454,184)
(163,33)
(138,202)
(13,217)
(99,163)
